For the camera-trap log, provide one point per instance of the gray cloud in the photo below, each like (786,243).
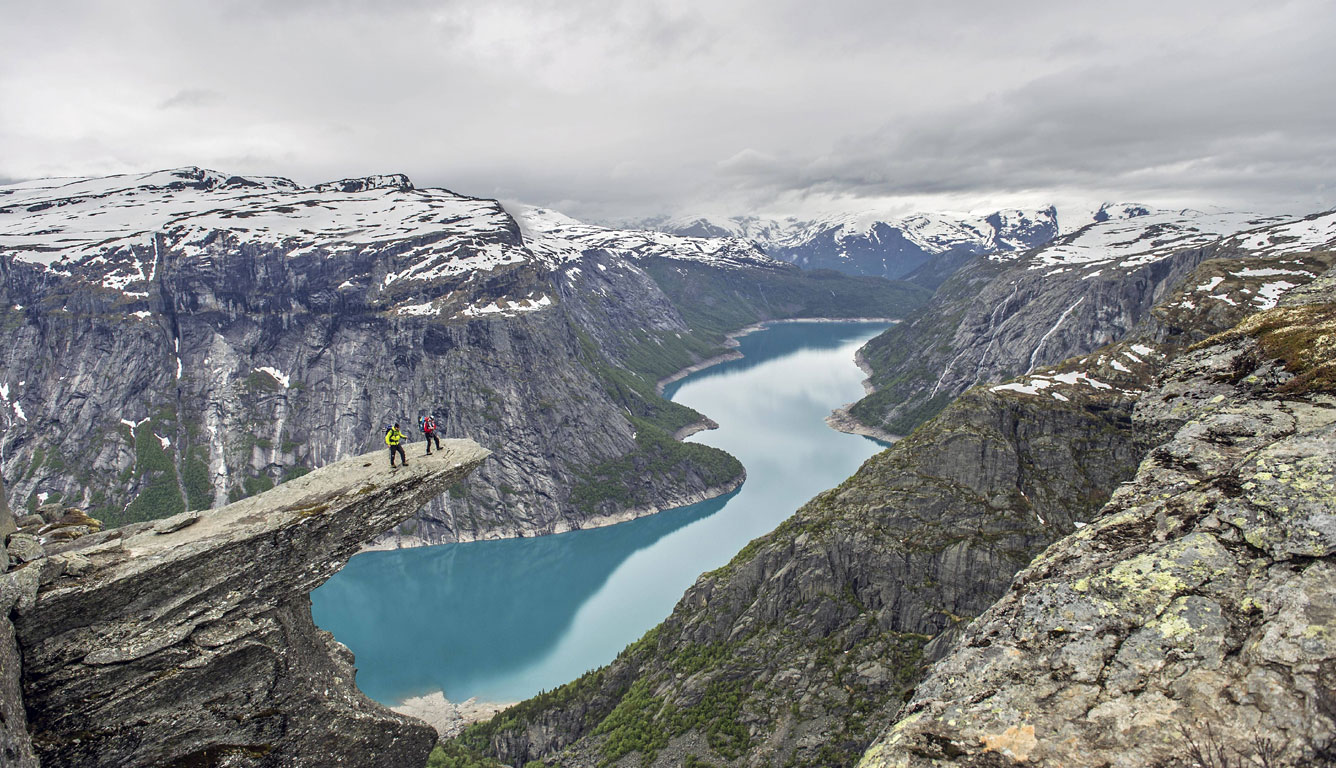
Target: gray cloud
(610,109)
(191,97)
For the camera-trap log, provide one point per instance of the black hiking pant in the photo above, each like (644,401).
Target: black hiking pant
(402,456)
(431,436)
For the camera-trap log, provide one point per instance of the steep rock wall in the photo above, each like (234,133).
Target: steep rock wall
(995,320)
(248,370)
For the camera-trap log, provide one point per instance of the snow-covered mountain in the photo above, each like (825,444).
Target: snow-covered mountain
(112,230)
(559,237)
(875,242)
(1128,235)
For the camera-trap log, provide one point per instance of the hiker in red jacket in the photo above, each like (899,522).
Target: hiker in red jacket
(428,425)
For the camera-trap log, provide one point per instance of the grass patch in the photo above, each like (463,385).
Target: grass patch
(1303,338)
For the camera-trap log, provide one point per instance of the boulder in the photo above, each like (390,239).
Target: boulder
(24,548)
(50,512)
(176,522)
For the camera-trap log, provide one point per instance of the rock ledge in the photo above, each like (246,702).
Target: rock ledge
(194,645)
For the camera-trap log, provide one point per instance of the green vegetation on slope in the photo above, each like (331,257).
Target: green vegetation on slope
(155,474)
(658,459)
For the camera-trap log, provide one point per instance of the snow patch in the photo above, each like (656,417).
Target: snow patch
(1269,294)
(418,310)
(1269,272)
(505,306)
(275,374)
(1210,285)
(1025,389)
(165,442)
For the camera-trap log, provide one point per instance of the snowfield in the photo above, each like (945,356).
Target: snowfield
(1128,235)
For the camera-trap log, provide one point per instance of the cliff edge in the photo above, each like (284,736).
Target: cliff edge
(189,641)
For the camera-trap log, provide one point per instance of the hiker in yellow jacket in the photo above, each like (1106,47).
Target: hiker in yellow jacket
(392,438)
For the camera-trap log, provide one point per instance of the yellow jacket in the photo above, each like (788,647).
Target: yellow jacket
(393,436)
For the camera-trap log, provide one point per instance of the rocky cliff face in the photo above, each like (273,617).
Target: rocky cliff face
(190,641)
(1004,315)
(1194,617)
(185,339)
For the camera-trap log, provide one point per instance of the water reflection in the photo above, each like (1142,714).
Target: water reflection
(501,620)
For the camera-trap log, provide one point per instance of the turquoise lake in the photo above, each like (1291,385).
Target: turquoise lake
(503,620)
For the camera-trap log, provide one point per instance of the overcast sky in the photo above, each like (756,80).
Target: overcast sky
(618,109)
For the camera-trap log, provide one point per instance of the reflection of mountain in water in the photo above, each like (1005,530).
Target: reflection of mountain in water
(779,340)
(419,591)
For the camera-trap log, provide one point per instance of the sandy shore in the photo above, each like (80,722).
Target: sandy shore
(447,717)
(841,420)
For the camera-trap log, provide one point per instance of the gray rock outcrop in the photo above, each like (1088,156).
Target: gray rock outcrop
(193,644)
(1196,615)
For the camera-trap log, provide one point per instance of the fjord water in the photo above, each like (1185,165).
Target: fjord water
(503,620)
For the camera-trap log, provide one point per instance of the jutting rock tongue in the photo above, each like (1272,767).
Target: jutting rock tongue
(190,641)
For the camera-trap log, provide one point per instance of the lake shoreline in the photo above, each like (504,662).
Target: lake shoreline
(841,420)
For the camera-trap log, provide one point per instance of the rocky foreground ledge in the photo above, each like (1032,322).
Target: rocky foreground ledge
(1193,622)
(189,641)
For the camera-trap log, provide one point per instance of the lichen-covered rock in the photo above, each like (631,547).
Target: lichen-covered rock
(17,588)
(196,646)
(15,743)
(24,548)
(1197,609)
